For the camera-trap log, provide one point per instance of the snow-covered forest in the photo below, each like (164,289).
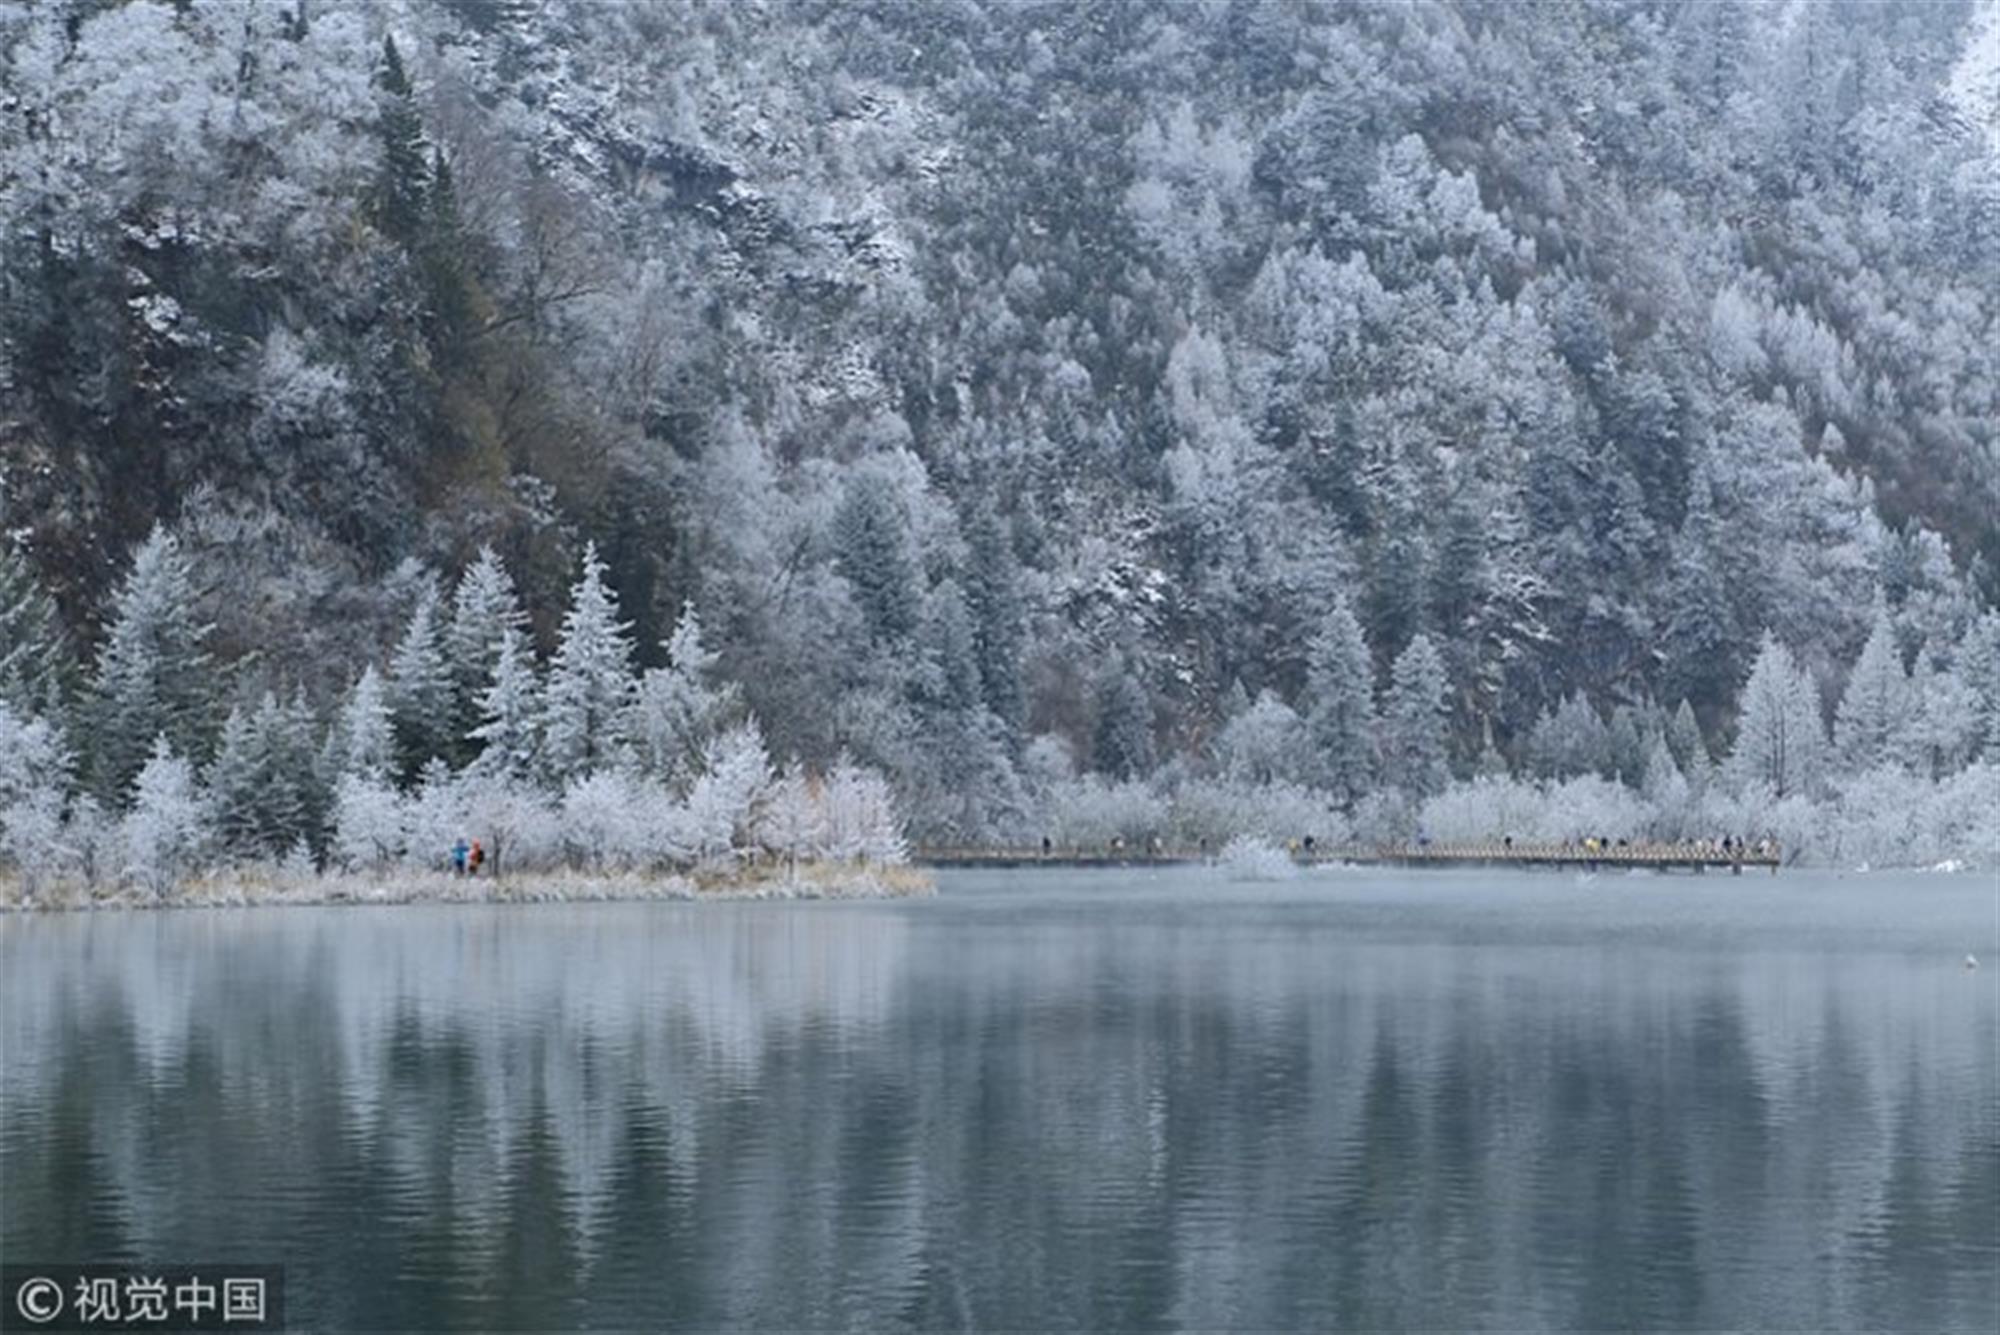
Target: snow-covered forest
(675,429)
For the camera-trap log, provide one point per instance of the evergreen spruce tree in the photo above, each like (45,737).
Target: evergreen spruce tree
(34,652)
(680,707)
(484,607)
(1877,708)
(152,677)
(1780,738)
(1684,738)
(167,828)
(510,734)
(590,680)
(1571,741)
(232,786)
(1625,747)
(420,690)
(1944,720)
(1979,664)
(1339,707)
(1415,720)
(367,735)
(401,179)
(1698,637)
(1123,743)
(873,553)
(993,592)
(259,786)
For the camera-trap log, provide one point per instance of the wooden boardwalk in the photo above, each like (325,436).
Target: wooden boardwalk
(1694,857)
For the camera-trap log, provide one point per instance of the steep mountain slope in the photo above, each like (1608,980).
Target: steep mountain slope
(972,367)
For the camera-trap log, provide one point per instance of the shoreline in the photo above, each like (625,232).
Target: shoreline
(360,890)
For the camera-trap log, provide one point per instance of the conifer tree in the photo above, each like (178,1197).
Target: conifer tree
(34,651)
(167,827)
(1683,737)
(993,593)
(232,785)
(419,694)
(1944,718)
(1340,707)
(1780,738)
(590,681)
(366,734)
(401,178)
(1876,710)
(510,732)
(484,607)
(153,674)
(1414,722)
(680,707)
(1123,744)
(873,552)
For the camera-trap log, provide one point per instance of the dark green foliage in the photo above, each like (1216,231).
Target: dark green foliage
(1123,741)
(402,180)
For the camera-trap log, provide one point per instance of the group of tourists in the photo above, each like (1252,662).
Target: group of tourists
(466,858)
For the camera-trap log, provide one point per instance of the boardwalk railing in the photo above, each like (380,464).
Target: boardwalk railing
(1697,855)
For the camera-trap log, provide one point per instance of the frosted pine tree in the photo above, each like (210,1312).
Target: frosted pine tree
(34,653)
(1979,664)
(367,737)
(1571,741)
(1339,707)
(724,804)
(34,771)
(153,674)
(164,833)
(1876,710)
(1684,738)
(419,691)
(1944,721)
(1123,741)
(511,711)
(1264,744)
(1780,739)
(1414,722)
(484,607)
(793,823)
(873,550)
(679,708)
(231,781)
(590,681)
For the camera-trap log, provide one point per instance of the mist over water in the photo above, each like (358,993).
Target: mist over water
(1051,1100)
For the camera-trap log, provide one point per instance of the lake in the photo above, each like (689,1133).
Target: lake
(1050,1100)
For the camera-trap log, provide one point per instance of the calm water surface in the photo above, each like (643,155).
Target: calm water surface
(1043,1100)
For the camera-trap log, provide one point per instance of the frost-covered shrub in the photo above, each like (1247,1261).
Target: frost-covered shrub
(437,818)
(1217,812)
(1485,810)
(513,821)
(1889,817)
(31,833)
(1591,807)
(622,821)
(1385,816)
(1091,812)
